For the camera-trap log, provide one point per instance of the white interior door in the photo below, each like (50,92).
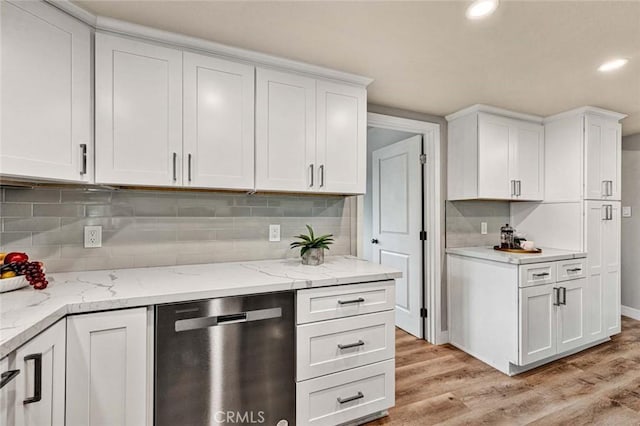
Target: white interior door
(397,212)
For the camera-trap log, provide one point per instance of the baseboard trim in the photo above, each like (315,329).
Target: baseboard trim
(630,312)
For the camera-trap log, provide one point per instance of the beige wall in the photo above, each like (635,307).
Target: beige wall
(631,225)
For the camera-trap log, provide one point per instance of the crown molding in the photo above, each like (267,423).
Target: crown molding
(586,110)
(494,110)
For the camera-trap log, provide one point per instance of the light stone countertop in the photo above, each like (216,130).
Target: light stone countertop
(26,312)
(488,253)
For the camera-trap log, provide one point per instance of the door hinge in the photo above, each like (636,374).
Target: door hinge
(423,235)
(423,312)
(423,158)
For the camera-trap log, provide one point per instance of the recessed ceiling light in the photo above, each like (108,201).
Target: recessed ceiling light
(613,65)
(481,8)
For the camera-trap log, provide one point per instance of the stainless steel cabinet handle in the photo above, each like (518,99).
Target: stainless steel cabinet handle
(518,188)
(513,188)
(311,169)
(541,274)
(609,187)
(205,322)
(83,149)
(321,171)
(574,270)
(348,302)
(37,378)
(563,290)
(556,296)
(189,167)
(8,376)
(175,161)
(351,345)
(603,188)
(359,395)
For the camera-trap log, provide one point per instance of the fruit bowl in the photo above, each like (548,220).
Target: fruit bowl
(9,284)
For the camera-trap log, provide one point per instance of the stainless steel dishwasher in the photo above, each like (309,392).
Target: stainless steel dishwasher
(226,361)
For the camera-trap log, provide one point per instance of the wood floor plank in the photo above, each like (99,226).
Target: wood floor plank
(443,385)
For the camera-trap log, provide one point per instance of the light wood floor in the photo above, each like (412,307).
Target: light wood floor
(442,385)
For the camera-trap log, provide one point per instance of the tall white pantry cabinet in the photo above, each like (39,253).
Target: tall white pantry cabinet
(581,210)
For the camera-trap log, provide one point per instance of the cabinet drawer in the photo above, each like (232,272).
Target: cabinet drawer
(346,396)
(571,269)
(537,273)
(331,346)
(343,301)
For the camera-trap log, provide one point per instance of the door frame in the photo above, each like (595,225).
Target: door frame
(432,200)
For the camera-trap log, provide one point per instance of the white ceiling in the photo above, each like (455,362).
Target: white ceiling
(531,56)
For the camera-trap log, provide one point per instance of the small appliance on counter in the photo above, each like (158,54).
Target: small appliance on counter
(514,244)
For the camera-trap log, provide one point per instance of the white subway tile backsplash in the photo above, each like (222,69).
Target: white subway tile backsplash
(157,228)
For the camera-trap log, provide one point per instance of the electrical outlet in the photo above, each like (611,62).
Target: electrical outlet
(92,236)
(483,228)
(626,211)
(274,232)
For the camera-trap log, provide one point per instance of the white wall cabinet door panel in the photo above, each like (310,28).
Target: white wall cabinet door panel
(603,147)
(341,138)
(496,137)
(285,132)
(107,368)
(41,361)
(46,93)
(138,112)
(218,123)
(538,323)
(611,262)
(527,161)
(572,315)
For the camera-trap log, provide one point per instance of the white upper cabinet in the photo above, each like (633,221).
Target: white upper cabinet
(46,93)
(285,132)
(495,154)
(310,134)
(218,123)
(341,139)
(603,149)
(138,112)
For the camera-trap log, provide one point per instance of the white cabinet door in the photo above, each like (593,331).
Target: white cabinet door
(611,263)
(285,132)
(596,214)
(603,147)
(526,165)
(39,397)
(138,112)
(7,392)
(46,93)
(341,140)
(218,123)
(496,138)
(538,323)
(572,314)
(107,368)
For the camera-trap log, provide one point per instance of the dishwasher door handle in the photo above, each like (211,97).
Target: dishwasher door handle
(206,322)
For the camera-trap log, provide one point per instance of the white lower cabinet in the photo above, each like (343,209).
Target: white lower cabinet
(573,313)
(107,368)
(345,353)
(346,396)
(35,394)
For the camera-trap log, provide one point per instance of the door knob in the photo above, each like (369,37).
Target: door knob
(374,241)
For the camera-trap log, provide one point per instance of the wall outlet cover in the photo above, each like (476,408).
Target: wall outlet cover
(626,211)
(274,233)
(92,236)
(483,228)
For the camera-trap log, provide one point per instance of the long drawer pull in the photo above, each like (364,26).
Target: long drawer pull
(8,376)
(574,270)
(349,302)
(359,395)
(541,274)
(351,345)
(37,378)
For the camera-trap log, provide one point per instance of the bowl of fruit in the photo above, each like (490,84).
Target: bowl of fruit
(17,271)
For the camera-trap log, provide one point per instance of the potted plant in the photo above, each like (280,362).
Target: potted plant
(312,247)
